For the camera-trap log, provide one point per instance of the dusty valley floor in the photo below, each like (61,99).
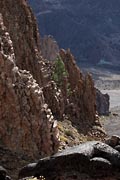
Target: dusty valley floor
(109,82)
(112,122)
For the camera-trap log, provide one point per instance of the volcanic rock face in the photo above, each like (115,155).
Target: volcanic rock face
(26,123)
(89,161)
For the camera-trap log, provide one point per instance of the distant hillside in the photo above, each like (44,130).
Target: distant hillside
(91,29)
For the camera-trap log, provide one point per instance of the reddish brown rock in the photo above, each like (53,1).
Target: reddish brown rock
(29,101)
(26,123)
(82,103)
(49,48)
(55,99)
(22,27)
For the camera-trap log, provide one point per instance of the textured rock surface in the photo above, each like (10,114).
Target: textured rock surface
(26,123)
(3,173)
(82,103)
(49,48)
(103,103)
(12,161)
(29,100)
(55,99)
(22,27)
(91,160)
(24,114)
(113,141)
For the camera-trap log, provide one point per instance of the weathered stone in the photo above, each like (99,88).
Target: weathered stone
(54,99)
(100,167)
(27,95)
(49,48)
(113,141)
(3,173)
(21,25)
(24,123)
(117,148)
(29,168)
(82,103)
(102,102)
(92,158)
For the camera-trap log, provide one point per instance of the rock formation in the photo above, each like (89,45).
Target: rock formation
(22,27)
(89,161)
(102,102)
(49,48)
(26,123)
(30,101)
(81,103)
(3,174)
(25,116)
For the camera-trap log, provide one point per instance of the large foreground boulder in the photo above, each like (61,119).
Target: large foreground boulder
(93,159)
(3,174)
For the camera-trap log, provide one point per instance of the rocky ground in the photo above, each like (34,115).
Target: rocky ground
(89,161)
(105,79)
(108,81)
(111,123)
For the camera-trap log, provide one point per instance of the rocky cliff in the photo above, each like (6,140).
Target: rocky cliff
(22,27)
(31,100)
(31,90)
(26,122)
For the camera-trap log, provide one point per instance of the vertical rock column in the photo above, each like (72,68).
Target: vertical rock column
(26,124)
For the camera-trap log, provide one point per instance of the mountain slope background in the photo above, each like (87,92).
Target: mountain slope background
(91,29)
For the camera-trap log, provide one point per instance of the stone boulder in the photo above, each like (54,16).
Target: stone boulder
(95,159)
(113,141)
(3,174)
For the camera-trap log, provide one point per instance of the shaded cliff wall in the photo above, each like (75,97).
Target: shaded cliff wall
(22,27)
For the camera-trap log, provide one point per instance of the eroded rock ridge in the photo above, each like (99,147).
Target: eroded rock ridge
(26,122)
(31,101)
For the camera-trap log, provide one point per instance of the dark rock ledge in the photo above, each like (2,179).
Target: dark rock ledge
(91,159)
(3,174)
